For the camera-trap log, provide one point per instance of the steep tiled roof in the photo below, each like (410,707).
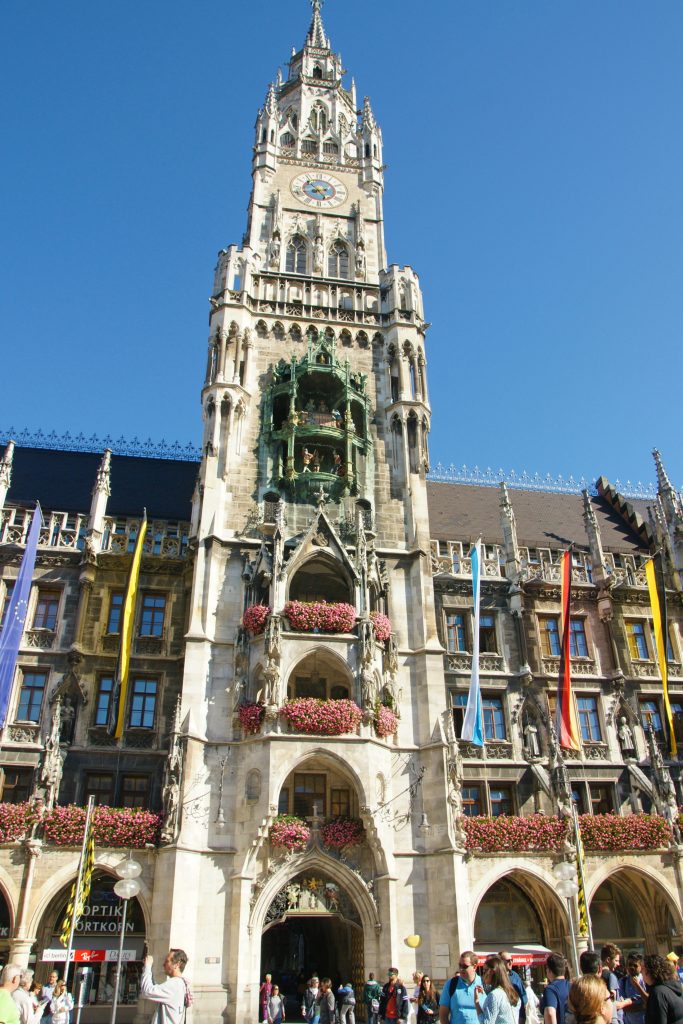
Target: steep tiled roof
(466,511)
(63,482)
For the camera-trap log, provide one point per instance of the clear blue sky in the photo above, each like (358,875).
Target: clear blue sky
(534,154)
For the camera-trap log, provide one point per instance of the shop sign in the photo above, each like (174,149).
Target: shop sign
(87,956)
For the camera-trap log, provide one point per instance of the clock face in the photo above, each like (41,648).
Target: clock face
(321,191)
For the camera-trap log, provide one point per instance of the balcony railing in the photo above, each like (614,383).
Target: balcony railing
(60,529)
(164,539)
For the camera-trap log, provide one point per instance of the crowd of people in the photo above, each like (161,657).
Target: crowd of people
(641,990)
(25,1001)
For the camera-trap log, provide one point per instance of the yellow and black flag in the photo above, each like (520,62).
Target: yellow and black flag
(80,890)
(117,708)
(654,571)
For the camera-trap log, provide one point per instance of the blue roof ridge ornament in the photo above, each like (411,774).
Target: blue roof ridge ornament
(532,481)
(68,442)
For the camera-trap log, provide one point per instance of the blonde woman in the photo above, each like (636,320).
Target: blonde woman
(587,996)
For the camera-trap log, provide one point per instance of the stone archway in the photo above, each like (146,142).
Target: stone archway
(98,930)
(312,926)
(520,908)
(633,910)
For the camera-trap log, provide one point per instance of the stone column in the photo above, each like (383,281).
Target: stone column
(21,944)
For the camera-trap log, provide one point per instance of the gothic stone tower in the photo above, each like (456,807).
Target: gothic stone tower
(311,488)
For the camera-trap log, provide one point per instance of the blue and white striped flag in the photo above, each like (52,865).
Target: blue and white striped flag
(473,726)
(15,618)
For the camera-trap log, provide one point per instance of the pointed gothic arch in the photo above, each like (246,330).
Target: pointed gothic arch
(296,259)
(338,260)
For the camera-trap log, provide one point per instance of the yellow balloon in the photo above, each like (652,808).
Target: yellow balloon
(413,941)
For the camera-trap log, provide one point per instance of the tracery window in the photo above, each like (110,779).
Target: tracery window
(338,260)
(296,256)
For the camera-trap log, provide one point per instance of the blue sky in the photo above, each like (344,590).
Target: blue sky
(534,179)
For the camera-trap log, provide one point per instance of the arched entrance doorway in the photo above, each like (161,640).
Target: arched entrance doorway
(97,935)
(312,927)
(632,911)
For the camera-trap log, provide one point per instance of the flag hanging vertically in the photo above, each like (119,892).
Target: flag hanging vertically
(117,708)
(567,726)
(473,726)
(79,894)
(15,617)
(654,572)
(585,929)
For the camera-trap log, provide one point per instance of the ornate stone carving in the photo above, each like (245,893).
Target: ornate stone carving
(24,733)
(53,758)
(172,781)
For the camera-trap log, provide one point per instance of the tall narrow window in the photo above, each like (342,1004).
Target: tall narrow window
(9,588)
(637,642)
(296,256)
(46,610)
(105,688)
(309,791)
(494,719)
(101,786)
(651,717)
(143,703)
(338,261)
(601,799)
(578,648)
(501,800)
(458,706)
(487,634)
(550,636)
(589,721)
(152,614)
(456,633)
(16,784)
(114,617)
(31,696)
(135,791)
(471,800)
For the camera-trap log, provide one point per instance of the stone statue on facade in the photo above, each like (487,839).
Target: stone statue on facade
(53,760)
(626,741)
(274,253)
(318,255)
(172,780)
(360,262)
(240,669)
(663,789)
(559,776)
(455,776)
(531,741)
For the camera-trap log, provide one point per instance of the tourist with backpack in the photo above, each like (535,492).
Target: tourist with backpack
(346,1004)
(372,990)
(463,993)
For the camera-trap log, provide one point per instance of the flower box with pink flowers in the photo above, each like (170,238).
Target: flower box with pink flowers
(382,626)
(542,832)
(251,716)
(112,826)
(289,832)
(342,832)
(254,618)
(320,616)
(321,717)
(385,721)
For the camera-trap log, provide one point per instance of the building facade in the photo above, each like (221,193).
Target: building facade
(306,554)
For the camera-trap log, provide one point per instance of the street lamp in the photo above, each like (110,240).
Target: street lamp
(127,888)
(567,887)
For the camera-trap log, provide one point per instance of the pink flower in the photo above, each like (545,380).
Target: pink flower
(382,626)
(112,826)
(386,722)
(254,618)
(312,616)
(251,716)
(289,832)
(342,832)
(322,717)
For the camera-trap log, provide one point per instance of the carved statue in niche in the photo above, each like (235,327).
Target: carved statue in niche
(559,777)
(172,779)
(626,741)
(53,761)
(531,741)
(67,724)
(241,669)
(318,255)
(274,252)
(360,261)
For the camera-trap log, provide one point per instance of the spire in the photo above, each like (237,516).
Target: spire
(368,116)
(6,472)
(270,106)
(671,502)
(316,33)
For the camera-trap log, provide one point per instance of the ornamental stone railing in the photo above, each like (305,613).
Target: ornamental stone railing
(41,639)
(163,539)
(462,662)
(61,530)
(24,732)
(579,666)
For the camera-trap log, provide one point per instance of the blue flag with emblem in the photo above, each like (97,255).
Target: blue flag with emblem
(15,616)
(473,726)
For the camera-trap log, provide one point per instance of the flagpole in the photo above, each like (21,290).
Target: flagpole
(580,872)
(77,894)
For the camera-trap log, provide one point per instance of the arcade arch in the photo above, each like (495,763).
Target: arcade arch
(632,908)
(322,674)
(520,908)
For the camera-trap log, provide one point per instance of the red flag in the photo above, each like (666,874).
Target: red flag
(567,726)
